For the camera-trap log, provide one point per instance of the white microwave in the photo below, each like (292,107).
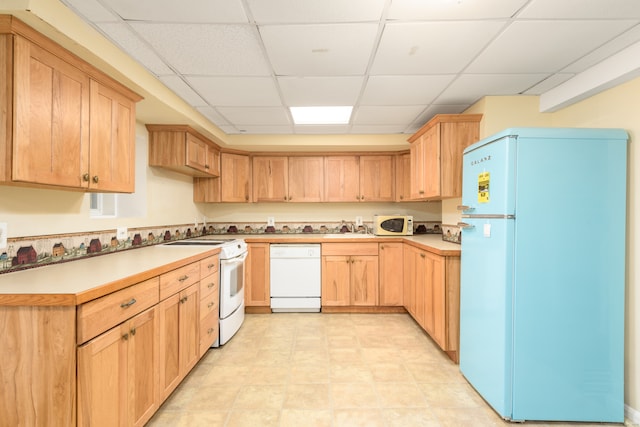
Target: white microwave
(393,225)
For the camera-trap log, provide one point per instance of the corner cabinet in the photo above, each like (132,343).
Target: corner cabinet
(232,186)
(436,155)
(181,149)
(68,125)
(432,295)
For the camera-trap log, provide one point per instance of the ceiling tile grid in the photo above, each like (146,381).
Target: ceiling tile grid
(242,63)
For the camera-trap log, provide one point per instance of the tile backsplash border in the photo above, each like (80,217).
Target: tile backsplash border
(37,251)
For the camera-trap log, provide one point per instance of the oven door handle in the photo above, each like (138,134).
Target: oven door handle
(237,260)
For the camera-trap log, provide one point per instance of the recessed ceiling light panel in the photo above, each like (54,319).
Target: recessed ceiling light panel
(321,115)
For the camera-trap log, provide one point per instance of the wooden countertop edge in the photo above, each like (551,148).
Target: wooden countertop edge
(60,300)
(378,239)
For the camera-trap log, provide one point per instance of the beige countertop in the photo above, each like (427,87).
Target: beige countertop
(430,242)
(75,282)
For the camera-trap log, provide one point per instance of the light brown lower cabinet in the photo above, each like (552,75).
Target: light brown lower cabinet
(110,361)
(117,374)
(257,276)
(349,274)
(391,274)
(179,337)
(432,295)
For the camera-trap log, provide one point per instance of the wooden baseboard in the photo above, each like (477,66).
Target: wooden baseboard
(363,309)
(257,310)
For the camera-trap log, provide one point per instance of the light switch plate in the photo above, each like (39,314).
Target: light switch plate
(3,235)
(358,221)
(271,221)
(121,233)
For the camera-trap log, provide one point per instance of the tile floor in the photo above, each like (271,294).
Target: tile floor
(309,369)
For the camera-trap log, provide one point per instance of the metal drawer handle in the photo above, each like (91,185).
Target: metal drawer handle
(183,300)
(423,256)
(210,305)
(210,285)
(210,266)
(183,278)
(133,331)
(210,331)
(128,304)
(125,337)
(95,179)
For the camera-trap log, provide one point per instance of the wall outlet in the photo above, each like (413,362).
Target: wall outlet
(3,235)
(271,221)
(121,233)
(358,221)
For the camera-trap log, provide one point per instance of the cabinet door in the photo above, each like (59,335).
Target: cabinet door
(270,179)
(377,179)
(417,169)
(257,276)
(336,279)
(435,298)
(341,179)
(364,280)
(143,363)
(403,177)
(169,316)
(431,159)
(197,153)
(112,140)
(234,176)
(391,274)
(102,379)
(189,328)
(51,116)
(306,179)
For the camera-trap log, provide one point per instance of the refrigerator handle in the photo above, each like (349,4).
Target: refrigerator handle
(464,225)
(465,208)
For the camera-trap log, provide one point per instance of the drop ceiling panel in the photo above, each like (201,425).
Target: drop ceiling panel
(580,9)
(469,88)
(214,116)
(317,50)
(264,116)
(453,10)
(321,130)
(431,47)
(544,46)
(207,49)
(183,90)
(393,115)
(122,35)
(92,10)
(378,129)
(320,91)
(403,90)
(236,91)
(549,83)
(314,11)
(220,11)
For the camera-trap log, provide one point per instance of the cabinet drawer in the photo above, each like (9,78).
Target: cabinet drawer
(349,249)
(209,265)
(208,332)
(179,279)
(208,305)
(99,315)
(209,284)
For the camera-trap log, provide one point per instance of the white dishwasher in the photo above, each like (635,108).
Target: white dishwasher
(295,277)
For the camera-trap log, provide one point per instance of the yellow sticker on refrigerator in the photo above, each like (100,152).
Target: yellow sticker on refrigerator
(483,187)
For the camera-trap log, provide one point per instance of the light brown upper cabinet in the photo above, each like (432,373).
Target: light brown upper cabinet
(182,149)
(288,179)
(436,155)
(232,185)
(403,177)
(67,125)
(270,179)
(359,178)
